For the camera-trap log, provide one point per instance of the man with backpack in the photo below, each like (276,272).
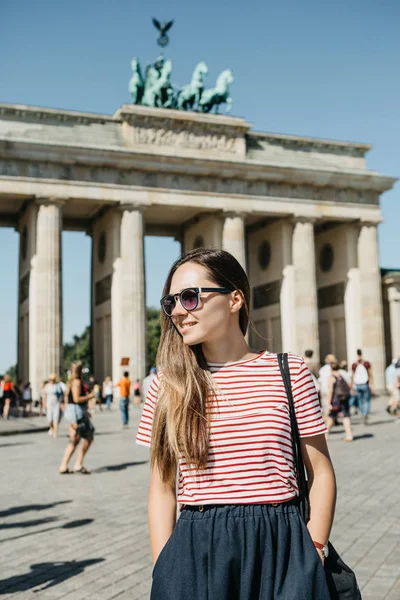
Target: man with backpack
(338,401)
(363,385)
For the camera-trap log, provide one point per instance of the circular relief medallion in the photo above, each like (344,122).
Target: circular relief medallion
(24,242)
(102,247)
(198,242)
(326,257)
(264,254)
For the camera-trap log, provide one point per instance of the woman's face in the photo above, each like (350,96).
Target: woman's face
(215,313)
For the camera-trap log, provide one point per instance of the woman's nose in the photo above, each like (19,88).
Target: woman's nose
(178,309)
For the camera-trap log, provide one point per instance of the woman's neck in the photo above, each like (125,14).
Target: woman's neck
(230,349)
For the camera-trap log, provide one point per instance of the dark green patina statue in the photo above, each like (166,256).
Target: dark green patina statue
(156,90)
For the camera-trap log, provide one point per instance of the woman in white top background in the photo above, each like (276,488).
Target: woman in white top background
(107,391)
(218,411)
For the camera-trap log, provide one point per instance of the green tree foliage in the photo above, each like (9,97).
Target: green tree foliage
(78,349)
(153,335)
(12,372)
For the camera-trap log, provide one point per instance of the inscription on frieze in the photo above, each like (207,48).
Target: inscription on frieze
(183,139)
(195,139)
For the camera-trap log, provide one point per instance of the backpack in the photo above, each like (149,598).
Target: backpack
(342,390)
(360,375)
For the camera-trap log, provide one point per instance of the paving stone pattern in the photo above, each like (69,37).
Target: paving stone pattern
(80,537)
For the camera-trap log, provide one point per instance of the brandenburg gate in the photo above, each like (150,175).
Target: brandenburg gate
(300,214)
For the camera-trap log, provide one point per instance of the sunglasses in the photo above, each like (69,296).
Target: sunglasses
(189,298)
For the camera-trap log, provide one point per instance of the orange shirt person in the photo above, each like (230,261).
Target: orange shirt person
(124,385)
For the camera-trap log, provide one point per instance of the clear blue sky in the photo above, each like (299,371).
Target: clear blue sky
(310,68)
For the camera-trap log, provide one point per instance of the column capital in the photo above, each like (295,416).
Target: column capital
(232,214)
(303,219)
(374,222)
(128,206)
(49,201)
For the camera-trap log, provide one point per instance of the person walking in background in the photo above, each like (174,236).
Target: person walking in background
(108,391)
(313,368)
(27,399)
(9,393)
(124,385)
(1,394)
(53,396)
(137,393)
(97,393)
(363,385)
(147,382)
(76,417)
(312,364)
(325,373)
(42,399)
(344,371)
(391,377)
(338,401)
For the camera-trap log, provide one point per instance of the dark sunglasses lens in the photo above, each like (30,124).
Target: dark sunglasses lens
(168,304)
(189,299)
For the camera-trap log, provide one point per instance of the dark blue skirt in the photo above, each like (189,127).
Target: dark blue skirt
(240,552)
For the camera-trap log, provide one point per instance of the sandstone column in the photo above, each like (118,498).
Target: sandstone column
(128,296)
(306,306)
(371,302)
(45,296)
(287,295)
(352,296)
(394,316)
(234,237)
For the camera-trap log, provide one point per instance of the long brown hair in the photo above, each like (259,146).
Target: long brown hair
(181,423)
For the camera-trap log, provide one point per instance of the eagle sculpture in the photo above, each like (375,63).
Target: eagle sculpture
(162,39)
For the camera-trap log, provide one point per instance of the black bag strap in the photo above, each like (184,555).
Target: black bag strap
(296,447)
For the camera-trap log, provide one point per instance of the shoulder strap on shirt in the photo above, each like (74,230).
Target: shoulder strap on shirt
(297,453)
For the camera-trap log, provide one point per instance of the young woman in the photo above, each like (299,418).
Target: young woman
(217,412)
(137,393)
(9,393)
(76,406)
(339,394)
(108,391)
(53,396)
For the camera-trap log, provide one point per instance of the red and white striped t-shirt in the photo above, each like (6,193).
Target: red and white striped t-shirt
(250,458)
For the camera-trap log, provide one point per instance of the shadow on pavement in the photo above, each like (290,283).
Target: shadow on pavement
(15,444)
(45,574)
(79,523)
(69,525)
(363,436)
(16,510)
(120,467)
(32,523)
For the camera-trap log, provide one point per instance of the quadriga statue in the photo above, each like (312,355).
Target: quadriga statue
(190,94)
(158,90)
(136,83)
(218,95)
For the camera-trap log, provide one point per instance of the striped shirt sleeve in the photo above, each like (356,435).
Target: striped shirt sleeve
(146,422)
(306,403)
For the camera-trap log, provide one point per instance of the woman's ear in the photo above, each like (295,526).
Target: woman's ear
(236,301)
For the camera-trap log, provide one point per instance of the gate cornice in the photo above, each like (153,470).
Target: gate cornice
(15,153)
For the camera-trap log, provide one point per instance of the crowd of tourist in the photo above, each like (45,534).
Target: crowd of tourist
(16,397)
(344,392)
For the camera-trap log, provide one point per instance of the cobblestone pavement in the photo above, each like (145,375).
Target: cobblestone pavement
(85,537)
